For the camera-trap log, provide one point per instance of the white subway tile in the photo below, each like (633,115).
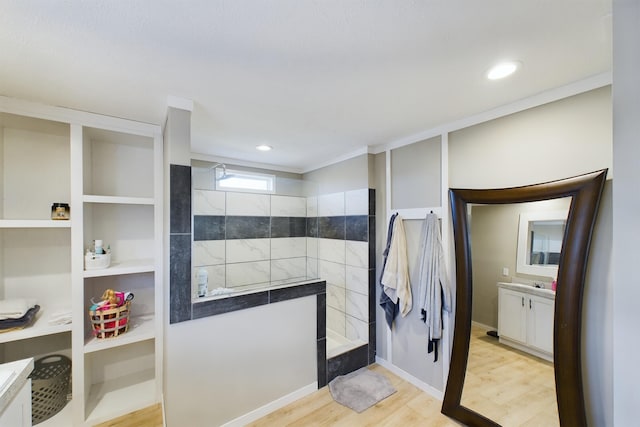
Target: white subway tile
(357,253)
(312,268)
(208,252)
(336,297)
(245,250)
(331,204)
(288,206)
(288,247)
(248,204)
(335,321)
(332,272)
(312,206)
(206,202)
(357,202)
(357,305)
(331,250)
(289,268)
(312,247)
(356,329)
(357,280)
(248,273)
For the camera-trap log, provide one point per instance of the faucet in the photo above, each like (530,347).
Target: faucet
(539,285)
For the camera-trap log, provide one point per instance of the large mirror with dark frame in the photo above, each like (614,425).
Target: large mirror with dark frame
(584,193)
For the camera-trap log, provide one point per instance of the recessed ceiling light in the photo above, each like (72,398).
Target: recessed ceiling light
(503,70)
(264,147)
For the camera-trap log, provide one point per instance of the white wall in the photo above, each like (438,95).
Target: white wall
(557,140)
(626,205)
(222,367)
(553,141)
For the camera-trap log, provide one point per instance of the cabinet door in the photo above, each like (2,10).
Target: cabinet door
(512,315)
(540,323)
(18,412)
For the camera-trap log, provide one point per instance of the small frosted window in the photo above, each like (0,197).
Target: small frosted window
(244,181)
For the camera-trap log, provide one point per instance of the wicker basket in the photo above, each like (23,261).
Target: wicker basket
(50,381)
(110,322)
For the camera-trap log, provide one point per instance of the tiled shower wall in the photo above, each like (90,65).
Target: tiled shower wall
(250,240)
(341,229)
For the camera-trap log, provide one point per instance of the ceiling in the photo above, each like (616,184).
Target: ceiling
(315,79)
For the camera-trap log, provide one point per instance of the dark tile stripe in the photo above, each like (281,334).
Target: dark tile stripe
(179,199)
(208,227)
(226,305)
(312,227)
(288,226)
(357,228)
(331,227)
(248,227)
(372,242)
(179,277)
(347,362)
(321,358)
(303,290)
(372,202)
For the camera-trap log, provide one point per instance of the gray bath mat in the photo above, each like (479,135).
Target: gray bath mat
(360,389)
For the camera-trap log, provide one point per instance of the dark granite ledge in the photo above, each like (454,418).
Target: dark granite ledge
(243,301)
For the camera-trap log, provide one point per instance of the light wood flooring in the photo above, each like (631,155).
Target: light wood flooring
(507,385)
(147,417)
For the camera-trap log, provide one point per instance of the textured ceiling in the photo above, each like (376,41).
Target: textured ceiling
(314,79)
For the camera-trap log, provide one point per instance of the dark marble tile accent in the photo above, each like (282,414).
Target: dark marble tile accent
(372,342)
(372,201)
(288,226)
(226,305)
(321,310)
(357,228)
(208,227)
(372,242)
(372,291)
(179,277)
(179,199)
(347,362)
(331,227)
(321,355)
(312,227)
(299,291)
(248,227)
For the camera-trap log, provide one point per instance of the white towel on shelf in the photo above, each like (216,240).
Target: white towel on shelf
(395,280)
(60,317)
(15,308)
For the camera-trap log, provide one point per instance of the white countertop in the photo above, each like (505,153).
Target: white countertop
(12,377)
(545,293)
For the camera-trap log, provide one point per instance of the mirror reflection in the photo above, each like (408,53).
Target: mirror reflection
(540,234)
(510,375)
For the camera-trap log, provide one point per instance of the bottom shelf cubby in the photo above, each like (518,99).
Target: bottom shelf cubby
(119,380)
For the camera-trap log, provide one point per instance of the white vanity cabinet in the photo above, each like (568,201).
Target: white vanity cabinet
(110,172)
(525,318)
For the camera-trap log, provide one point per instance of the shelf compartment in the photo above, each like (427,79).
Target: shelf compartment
(39,328)
(142,312)
(127,229)
(123,267)
(117,164)
(89,198)
(34,223)
(34,160)
(141,328)
(119,380)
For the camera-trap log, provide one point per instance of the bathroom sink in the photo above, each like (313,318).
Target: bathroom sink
(530,289)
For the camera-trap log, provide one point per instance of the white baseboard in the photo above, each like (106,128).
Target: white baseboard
(262,411)
(410,378)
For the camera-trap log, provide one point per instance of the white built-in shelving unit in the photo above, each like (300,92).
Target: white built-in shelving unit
(110,172)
